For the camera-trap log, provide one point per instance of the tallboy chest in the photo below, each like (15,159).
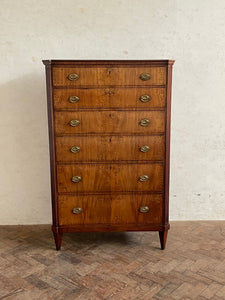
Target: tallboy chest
(109,131)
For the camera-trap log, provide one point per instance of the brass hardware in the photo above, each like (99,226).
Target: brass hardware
(75,149)
(77,210)
(144,122)
(145,98)
(144,209)
(145,76)
(74,99)
(76,179)
(73,77)
(74,123)
(144,148)
(143,178)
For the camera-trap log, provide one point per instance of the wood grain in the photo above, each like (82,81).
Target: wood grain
(113,97)
(110,177)
(167,146)
(52,150)
(108,209)
(109,136)
(114,122)
(109,148)
(100,76)
(93,63)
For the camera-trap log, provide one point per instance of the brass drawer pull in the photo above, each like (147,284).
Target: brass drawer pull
(144,209)
(145,76)
(143,178)
(75,149)
(76,179)
(144,122)
(74,123)
(144,148)
(73,77)
(145,98)
(77,210)
(73,99)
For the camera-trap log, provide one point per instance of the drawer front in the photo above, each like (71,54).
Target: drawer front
(114,209)
(110,122)
(110,177)
(109,148)
(109,98)
(98,76)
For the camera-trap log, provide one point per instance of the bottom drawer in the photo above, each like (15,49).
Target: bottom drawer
(110,209)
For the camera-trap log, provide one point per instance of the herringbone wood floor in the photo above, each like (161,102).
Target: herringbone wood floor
(114,265)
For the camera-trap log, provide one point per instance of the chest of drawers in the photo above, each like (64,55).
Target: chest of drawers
(109,131)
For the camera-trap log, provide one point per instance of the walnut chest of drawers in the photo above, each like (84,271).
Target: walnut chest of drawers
(109,130)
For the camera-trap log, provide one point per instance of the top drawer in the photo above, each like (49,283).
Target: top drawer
(107,76)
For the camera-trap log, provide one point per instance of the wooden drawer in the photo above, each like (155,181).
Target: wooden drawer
(109,98)
(110,177)
(110,122)
(110,209)
(109,148)
(100,76)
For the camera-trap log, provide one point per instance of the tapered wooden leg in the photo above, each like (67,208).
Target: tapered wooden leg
(58,237)
(163,237)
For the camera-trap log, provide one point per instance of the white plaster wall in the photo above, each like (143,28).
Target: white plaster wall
(192,32)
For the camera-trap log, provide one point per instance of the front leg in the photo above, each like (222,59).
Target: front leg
(58,237)
(163,237)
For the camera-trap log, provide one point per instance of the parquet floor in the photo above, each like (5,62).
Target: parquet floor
(114,265)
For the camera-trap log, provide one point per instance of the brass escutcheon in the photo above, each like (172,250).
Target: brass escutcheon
(143,178)
(144,122)
(145,98)
(144,148)
(77,210)
(73,99)
(144,209)
(75,149)
(145,76)
(76,179)
(74,123)
(73,77)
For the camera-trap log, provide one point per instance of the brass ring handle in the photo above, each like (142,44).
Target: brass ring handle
(74,123)
(144,148)
(73,77)
(145,76)
(143,178)
(73,99)
(145,98)
(77,210)
(144,122)
(76,179)
(75,149)
(144,209)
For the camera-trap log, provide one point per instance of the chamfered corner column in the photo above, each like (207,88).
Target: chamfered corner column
(57,237)
(163,238)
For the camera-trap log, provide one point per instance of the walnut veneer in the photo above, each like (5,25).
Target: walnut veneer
(109,130)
